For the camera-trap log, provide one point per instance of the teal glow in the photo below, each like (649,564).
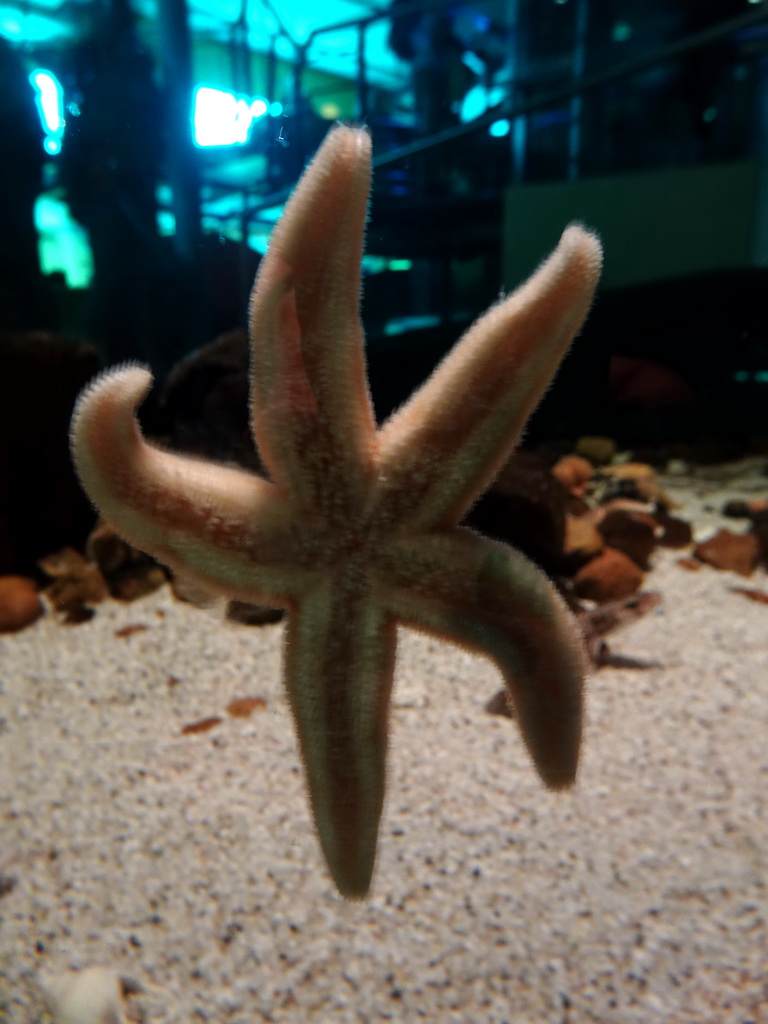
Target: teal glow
(275,109)
(49,97)
(63,243)
(10,24)
(259,108)
(31,27)
(499,129)
(478,100)
(166,223)
(400,264)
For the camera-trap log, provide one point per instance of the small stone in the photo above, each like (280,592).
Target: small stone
(675,532)
(583,540)
(574,473)
(610,576)
(20,603)
(93,995)
(633,533)
(727,550)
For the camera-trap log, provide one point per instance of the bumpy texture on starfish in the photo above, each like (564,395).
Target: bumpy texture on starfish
(357,529)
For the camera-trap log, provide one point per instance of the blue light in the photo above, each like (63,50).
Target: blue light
(479,99)
(49,97)
(499,129)
(275,109)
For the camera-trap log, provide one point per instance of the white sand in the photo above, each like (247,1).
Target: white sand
(189,862)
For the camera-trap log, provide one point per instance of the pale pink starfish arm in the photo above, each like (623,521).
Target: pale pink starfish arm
(339,662)
(311,410)
(191,515)
(493,600)
(443,448)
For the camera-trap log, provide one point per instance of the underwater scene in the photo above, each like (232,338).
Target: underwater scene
(384,517)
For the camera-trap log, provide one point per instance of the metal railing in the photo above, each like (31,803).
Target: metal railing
(510,108)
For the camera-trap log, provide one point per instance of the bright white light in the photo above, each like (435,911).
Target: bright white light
(50,94)
(221,118)
(259,108)
(49,97)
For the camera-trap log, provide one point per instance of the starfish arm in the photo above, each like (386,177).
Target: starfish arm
(223,527)
(339,663)
(490,598)
(443,448)
(311,410)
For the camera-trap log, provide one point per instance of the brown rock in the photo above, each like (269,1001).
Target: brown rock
(204,403)
(760,532)
(583,540)
(610,576)
(675,532)
(574,473)
(241,707)
(738,552)
(76,583)
(20,604)
(633,533)
(525,507)
(129,573)
(108,550)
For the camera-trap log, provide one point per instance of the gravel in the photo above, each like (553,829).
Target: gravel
(188,862)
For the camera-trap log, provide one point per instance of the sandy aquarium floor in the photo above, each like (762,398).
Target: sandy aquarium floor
(188,862)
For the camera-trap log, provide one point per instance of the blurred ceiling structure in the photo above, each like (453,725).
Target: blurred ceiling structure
(52,23)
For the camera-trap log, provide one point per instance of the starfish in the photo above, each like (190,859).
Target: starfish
(356,528)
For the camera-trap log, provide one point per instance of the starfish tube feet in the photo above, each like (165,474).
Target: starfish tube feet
(357,528)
